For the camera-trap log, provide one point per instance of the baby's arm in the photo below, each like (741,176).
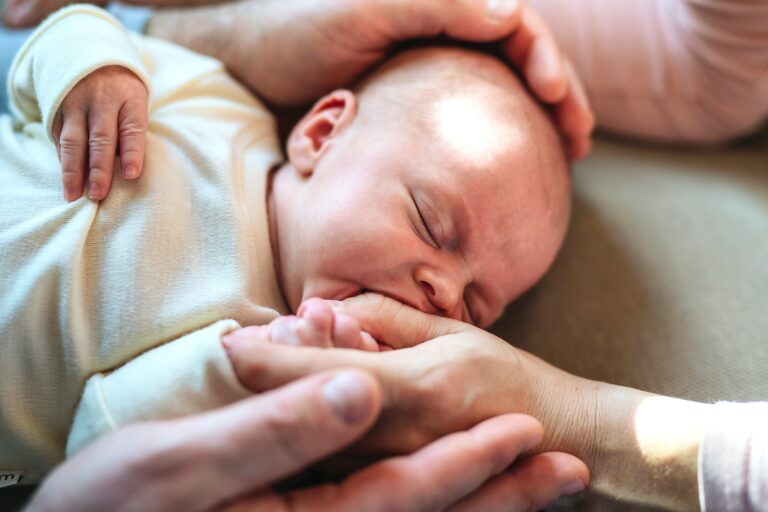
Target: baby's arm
(188,375)
(316,324)
(193,373)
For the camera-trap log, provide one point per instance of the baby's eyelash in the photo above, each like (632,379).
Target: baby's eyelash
(424,224)
(470,314)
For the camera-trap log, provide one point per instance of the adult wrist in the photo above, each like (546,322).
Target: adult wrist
(208,29)
(638,446)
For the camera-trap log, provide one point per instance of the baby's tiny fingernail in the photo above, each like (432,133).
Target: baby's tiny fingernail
(94,191)
(130,172)
(572,487)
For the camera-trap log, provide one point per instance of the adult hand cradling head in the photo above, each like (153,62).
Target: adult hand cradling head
(348,36)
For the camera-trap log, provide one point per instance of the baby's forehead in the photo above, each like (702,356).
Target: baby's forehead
(467,113)
(476,128)
(464,103)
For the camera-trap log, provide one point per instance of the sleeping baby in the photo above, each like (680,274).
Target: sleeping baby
(436,181)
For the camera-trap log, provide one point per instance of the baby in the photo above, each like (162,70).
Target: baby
(437,181)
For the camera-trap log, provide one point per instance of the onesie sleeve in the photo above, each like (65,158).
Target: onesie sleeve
(189,375)
(71,44)
(733,459)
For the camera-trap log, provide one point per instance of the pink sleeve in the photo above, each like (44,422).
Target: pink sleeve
(733,459)
(693,71)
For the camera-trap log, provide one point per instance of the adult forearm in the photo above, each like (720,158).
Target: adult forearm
(289,53)
(638,446)
(206,29)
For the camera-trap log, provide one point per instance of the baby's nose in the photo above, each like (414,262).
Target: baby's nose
(442,294)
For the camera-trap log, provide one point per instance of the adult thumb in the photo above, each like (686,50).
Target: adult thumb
(467,20)
(260,440)
(394,323)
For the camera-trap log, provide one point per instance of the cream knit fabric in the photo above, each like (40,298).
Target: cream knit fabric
(85,288)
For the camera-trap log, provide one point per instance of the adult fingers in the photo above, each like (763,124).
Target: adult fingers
(28,13)
(73,151)
(431,478)
(201,461)
(531,484)
(132,128)
(24,13)
(395,324)
(533,49)
(575,117)
(102,145)
(470,20)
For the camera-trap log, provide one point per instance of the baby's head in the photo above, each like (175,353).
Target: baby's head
(438,182)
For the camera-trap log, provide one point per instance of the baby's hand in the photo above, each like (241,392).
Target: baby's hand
(316,324)
(105,111)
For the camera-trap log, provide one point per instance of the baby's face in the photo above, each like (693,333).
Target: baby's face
(445,211)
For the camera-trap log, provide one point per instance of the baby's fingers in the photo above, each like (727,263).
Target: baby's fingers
(132,125)
(102,144)
(72,144)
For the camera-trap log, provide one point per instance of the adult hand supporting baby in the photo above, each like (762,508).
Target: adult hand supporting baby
(448,375)
(226,460)
(293,52)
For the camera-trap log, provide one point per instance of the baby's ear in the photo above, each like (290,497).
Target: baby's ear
(317,130)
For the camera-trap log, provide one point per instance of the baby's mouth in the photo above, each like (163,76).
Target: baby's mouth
(347,294)
(395,297)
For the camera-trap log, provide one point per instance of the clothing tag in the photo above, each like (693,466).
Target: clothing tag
(9,478)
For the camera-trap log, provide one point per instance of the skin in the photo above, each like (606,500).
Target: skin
(316,324)
(314,62)
(288,67)
(341,39)
(442,188)
(104,114)
(226,459)
(639,446)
